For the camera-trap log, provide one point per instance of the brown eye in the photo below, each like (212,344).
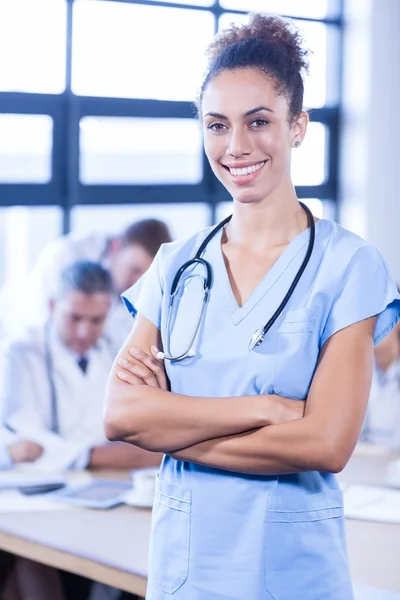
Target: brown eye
(216,127)
(259,123)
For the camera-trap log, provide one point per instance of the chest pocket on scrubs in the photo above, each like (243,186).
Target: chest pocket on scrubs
(296,353)
(169,553)
(304,548)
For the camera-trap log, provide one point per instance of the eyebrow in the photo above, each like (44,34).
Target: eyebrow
(246,114)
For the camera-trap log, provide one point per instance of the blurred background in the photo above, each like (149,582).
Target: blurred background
(97,133)
(97,126)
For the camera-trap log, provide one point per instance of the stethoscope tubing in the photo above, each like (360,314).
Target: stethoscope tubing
(259,335)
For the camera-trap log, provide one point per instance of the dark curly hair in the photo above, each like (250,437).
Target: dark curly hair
(269,43)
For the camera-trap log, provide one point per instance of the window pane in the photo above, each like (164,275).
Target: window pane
(138,51)
(316,9)
(309,161)
(187,2)
(315,39)
(25,148)
(140,151)
(315,84)
(32,45)
(182,219)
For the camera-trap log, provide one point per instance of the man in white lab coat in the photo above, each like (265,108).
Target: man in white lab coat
(53,378)
(126,257)
(382,422)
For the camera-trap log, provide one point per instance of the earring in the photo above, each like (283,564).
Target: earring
(297,144)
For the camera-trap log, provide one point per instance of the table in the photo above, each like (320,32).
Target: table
(374,548)
(112,546)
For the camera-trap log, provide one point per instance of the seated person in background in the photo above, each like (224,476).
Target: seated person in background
(382,421)
(53,378)
(14,450)
(126,257)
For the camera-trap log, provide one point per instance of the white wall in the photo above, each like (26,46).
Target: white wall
(370,151)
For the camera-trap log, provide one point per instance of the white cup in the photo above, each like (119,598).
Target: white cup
(144,481)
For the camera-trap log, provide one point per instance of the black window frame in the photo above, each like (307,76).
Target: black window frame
(66,109)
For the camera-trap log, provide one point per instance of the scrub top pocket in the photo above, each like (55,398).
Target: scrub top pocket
(304,548)
(169,552)
(296,354)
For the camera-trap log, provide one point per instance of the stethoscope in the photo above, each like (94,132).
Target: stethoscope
(259,335)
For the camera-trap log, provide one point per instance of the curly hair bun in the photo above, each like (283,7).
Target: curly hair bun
(269,43)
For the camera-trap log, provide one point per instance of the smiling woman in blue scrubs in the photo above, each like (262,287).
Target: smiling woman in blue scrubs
(247,505)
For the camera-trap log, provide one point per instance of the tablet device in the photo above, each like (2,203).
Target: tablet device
(99,493)
(42,488)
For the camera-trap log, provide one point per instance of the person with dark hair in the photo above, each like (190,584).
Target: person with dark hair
(54,376)
(51,404)
(250,361)
(126,256)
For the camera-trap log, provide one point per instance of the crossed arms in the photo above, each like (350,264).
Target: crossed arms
(253,434)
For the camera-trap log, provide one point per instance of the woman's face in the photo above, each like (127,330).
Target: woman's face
(248,137)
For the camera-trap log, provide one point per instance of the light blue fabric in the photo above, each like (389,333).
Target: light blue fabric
(219,535)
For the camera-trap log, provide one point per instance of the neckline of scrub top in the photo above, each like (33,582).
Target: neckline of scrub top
(238,313)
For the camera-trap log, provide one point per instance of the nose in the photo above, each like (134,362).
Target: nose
(84,331)
(239,142)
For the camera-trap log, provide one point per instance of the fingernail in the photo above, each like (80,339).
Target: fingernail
(155,349)
(134,351)
(121,375)
(123,361)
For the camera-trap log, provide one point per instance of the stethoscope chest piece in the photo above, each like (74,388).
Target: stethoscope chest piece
(256,339)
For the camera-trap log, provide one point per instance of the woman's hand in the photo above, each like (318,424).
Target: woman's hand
(143,369)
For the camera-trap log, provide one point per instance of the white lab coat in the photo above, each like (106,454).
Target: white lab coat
(382,421)
(25,397)
(21,309)
(6,438)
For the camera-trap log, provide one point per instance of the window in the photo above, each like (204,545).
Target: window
(315,9)
(309,160)
(104,105)
(25,148)
(182,219)
(187,2)
(138,51)
(32,45)
(36,227)
(316,39)
(140,151)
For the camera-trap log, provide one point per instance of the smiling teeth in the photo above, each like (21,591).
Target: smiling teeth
(246,170)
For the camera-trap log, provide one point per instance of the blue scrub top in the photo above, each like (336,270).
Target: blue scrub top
(219,535)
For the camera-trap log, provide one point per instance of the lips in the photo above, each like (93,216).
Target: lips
(239,171)
(243,175)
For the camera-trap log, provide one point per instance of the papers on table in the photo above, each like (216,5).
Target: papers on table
(23,476)
(57,455)
(15,478)
(371,503)
(13,501)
